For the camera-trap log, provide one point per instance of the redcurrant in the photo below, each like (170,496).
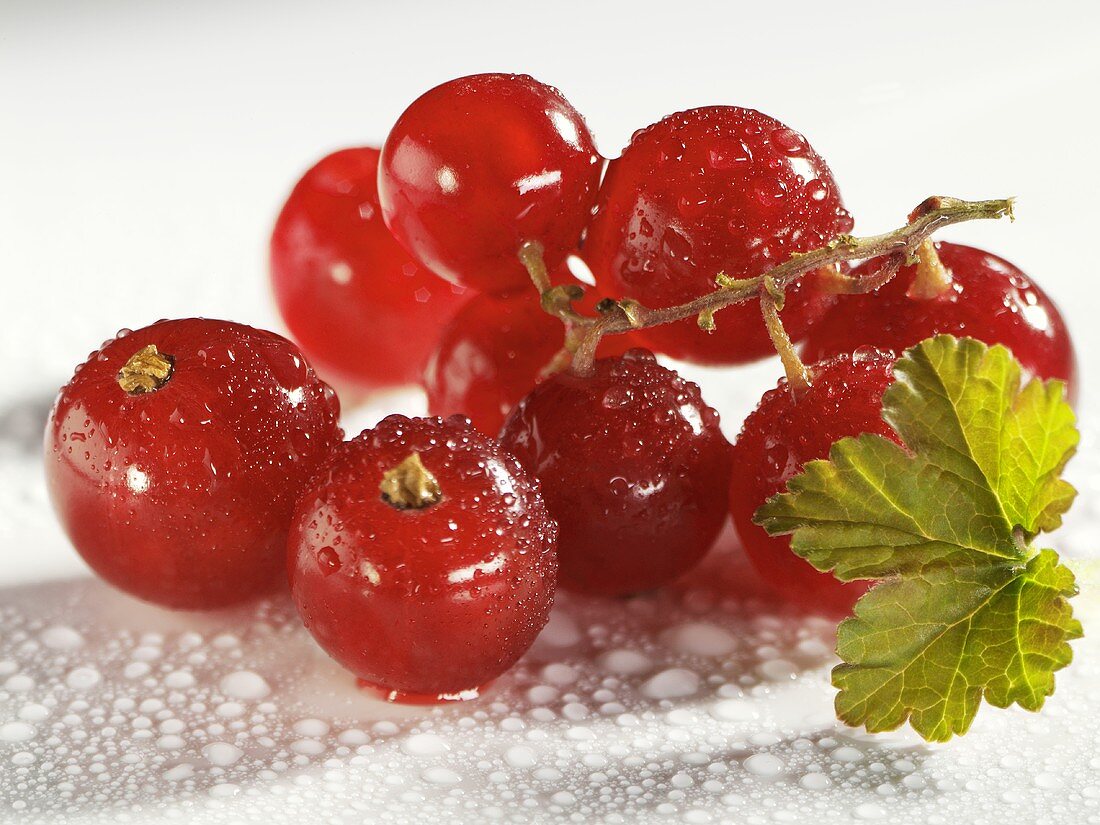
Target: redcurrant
(494,351)
(634,468)
(175,454)
(478,166)
(345,287)
(778,438)
(718,189)
(986,298)
(422,558)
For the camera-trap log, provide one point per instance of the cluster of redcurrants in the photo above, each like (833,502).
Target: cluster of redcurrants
(195,461)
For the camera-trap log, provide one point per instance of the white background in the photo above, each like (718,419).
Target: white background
(145,147)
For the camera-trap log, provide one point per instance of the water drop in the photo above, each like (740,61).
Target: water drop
(441,776)
(764,764)
(244,684)
(520,756)
(222,754)
(16,732)
(83,678)
(424,744)
(674,683)
(60,637)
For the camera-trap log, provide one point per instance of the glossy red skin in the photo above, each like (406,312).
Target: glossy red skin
(717,189)
(363,310)
(183,496)
(777,439)
(990,300)
(634,469)
(493,353)
(478,165)
(434,601)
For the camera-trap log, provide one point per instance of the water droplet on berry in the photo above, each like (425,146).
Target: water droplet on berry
(617,396)
(676,245)
(328,560)
(788,141)
(729,154)
(816,190)
(769,191)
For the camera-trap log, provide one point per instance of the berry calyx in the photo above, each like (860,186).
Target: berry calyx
(844,398)
(345,287)
(410,486)
(478,166)
(422,558)
(147,371)
(986,298)
(175,454)
(714,190)
(634,469)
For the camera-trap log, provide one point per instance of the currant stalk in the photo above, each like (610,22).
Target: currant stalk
(898,246)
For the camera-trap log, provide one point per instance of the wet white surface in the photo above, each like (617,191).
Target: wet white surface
(705,703)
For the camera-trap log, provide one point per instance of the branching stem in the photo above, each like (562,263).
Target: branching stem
(902,244)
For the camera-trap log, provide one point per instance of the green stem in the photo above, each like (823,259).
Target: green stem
(931,215)
(798,377)
(932,278)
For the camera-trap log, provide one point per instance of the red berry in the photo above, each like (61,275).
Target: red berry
(175,469)
(718,189)
(481,164)
(634,469)
(778,438)
(989,299)
(363,310)
(493,353)
(422,558)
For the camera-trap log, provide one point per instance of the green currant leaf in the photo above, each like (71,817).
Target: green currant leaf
(961,400)
(927,647)
(965,607)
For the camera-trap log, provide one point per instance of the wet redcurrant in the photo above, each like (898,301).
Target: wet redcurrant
(781,435)
(345,287)
(479,165)
(717,189)
(985,297)
(422,558)
(494,351)
(175,454)
(634,468)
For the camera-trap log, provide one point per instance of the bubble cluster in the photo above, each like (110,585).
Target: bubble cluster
(702,703)
(672,709)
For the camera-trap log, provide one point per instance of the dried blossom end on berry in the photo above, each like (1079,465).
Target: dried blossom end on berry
(410,485)
(147,371)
